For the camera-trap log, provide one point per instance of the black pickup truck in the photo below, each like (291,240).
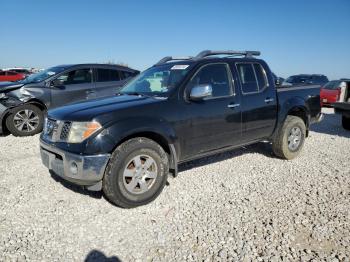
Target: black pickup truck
(178,110)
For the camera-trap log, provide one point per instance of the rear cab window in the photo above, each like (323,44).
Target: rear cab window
(252,77)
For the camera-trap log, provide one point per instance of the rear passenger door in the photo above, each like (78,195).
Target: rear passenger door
(259,101)
(108,82)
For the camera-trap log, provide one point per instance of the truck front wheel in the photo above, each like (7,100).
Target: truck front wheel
(136,173)
(290,139)
(346,122)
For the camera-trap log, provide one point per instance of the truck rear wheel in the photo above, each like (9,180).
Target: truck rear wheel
(346,122)
(136,173)
(290,138)
(25,120)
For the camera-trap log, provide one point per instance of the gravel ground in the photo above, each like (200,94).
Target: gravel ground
(242,205)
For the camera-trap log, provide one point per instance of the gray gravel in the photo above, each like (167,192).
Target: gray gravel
(242,205)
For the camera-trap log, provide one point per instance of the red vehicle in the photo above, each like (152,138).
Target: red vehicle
(10,76)
(333,92)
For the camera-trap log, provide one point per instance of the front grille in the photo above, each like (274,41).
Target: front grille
(56,130)
(65,130)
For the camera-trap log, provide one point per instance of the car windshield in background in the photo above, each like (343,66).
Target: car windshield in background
(332,85)
(38,77)
(159,80)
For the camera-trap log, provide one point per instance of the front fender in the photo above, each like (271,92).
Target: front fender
(116,132)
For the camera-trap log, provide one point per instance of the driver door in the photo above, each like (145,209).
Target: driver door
(71,86)
(215,122)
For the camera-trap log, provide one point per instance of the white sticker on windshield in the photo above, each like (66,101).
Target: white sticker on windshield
(50,73)
(179,67)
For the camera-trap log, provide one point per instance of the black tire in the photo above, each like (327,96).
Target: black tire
(346,122)
(114,181)
(280,145)
(34,128)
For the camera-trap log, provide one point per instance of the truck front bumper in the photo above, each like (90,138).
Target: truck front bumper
(78,169)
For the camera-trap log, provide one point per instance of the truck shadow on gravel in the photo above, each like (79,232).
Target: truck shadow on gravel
(98,256)
(76,188)
(330,125)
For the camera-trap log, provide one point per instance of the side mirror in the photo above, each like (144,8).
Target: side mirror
(201,91)
(58,83)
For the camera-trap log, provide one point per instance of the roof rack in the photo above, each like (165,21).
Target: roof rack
(170,58)
(206,53)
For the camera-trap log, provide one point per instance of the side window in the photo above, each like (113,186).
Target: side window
(114,75)
(102,75)
(11,73)
(2,73)
(261,76)
(214,75)
(79,76)
(107,75)
(247,77)
(125,74)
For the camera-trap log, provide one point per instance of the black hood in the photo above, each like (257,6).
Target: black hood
(87,111)
(9,86)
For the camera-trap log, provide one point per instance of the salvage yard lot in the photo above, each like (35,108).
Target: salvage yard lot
(245,204)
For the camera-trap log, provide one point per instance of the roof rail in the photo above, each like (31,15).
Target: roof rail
(206,53)
(170,58)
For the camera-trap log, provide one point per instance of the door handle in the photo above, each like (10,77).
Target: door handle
(269,100)
(233,105)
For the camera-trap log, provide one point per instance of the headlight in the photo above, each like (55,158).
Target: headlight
(80,131)
(2,95)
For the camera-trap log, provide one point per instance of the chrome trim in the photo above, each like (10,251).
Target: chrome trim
(201,91)
(269,100)
(90,169)
(233,105)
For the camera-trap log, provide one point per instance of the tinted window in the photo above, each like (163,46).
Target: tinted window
(261,76)
(114,75)
(11,73)
(247,78)
(102,75)
(79,76)
(214,75)
(106,75)
(2,73)
(125,74)
(332,85)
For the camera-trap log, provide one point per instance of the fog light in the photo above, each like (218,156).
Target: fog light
(74,168)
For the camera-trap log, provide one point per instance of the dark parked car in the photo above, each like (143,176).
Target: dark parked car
(23,103)
(305,79)
(171,113)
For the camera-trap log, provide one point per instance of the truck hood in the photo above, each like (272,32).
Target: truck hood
(89,110)
(9,86)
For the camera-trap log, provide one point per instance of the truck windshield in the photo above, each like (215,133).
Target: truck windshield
(38,77)
(158,80)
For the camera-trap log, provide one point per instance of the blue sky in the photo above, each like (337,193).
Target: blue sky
(293,36)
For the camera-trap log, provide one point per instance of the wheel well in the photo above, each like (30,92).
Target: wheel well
(301,113)
(38,103)
(151,135)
